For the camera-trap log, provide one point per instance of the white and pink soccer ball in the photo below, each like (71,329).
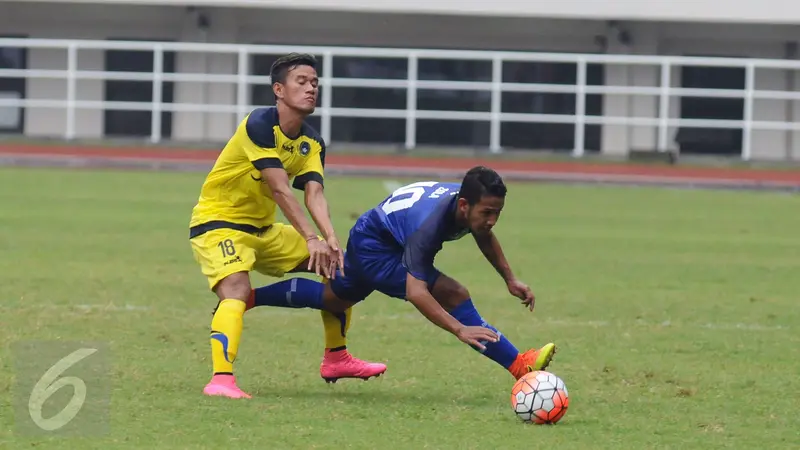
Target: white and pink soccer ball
(540,397)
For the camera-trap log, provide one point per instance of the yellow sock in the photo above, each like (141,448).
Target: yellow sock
(336,326)
(226,330)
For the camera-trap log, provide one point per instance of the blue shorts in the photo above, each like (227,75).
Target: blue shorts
(373,263)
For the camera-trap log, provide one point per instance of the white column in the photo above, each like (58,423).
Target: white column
(619,139)
(201,126)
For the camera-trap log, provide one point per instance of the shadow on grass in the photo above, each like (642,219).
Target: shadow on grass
(379,395)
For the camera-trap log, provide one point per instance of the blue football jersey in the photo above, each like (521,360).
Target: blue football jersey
(419,217)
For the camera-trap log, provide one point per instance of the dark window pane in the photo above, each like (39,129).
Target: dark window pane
(550,73)
(453,132)
(712,77)
(595,75)
(381,68)
(697,140)
(539,72)
(12,57)
(12,118)
(378,98)
(591,138)
(315,121)
(548,136)
(454,70)
(368,130)
(136,123)
(453,100)
(549,103)
(594,104)
(260,64)
(262,95)
(712,108)
(538,103)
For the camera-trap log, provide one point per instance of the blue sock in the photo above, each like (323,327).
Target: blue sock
(291,293)
(503,351)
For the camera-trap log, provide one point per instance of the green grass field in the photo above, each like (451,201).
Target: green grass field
(676,313)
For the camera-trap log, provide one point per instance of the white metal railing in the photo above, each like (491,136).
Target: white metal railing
(661,120)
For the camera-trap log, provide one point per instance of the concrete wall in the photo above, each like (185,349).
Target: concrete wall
(231,25)
(737,11)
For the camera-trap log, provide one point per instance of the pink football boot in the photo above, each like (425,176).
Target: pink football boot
(341,364)
(224,386)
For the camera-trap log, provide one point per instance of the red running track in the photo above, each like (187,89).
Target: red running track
(398,164)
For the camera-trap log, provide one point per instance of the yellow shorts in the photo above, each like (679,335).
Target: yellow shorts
(224,251)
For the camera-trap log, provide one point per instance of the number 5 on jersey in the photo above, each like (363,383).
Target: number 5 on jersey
(410,194)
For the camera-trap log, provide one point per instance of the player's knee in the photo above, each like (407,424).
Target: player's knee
(457,296)
(236,286)
(332,303)
(449,292)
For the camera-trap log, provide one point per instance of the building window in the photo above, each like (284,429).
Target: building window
(444,132)
(134,123)
(368,129)
(711,141)
(12,118)
(549,136)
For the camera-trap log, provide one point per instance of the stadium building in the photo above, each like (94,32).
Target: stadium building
(656,60)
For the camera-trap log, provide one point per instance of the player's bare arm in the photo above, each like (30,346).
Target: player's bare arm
(419,295)
(278,181)
(317,206)
(493,252)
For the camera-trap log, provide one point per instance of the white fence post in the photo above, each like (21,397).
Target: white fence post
(497,105)
(242,85)
(72,69)
(747,132)
(580,110)
(411,102)
(663,106)
(158,80)
(327,97)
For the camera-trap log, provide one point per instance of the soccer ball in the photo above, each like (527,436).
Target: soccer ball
(540,397)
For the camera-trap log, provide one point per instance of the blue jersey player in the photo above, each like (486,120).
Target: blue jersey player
(391,249)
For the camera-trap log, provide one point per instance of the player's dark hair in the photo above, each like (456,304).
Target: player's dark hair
(286,63)
(479,182)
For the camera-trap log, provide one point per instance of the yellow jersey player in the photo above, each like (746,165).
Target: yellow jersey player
(233,229)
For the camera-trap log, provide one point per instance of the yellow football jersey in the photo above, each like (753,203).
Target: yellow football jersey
(234,194)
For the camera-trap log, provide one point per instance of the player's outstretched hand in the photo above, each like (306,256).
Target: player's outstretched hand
(523,292)
(474,336)
(336,256)
(319,257)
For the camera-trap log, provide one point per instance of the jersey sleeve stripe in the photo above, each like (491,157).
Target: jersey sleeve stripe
(300,182)
(268,163)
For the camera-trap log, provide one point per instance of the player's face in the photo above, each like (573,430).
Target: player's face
(300,90)
(482,216)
